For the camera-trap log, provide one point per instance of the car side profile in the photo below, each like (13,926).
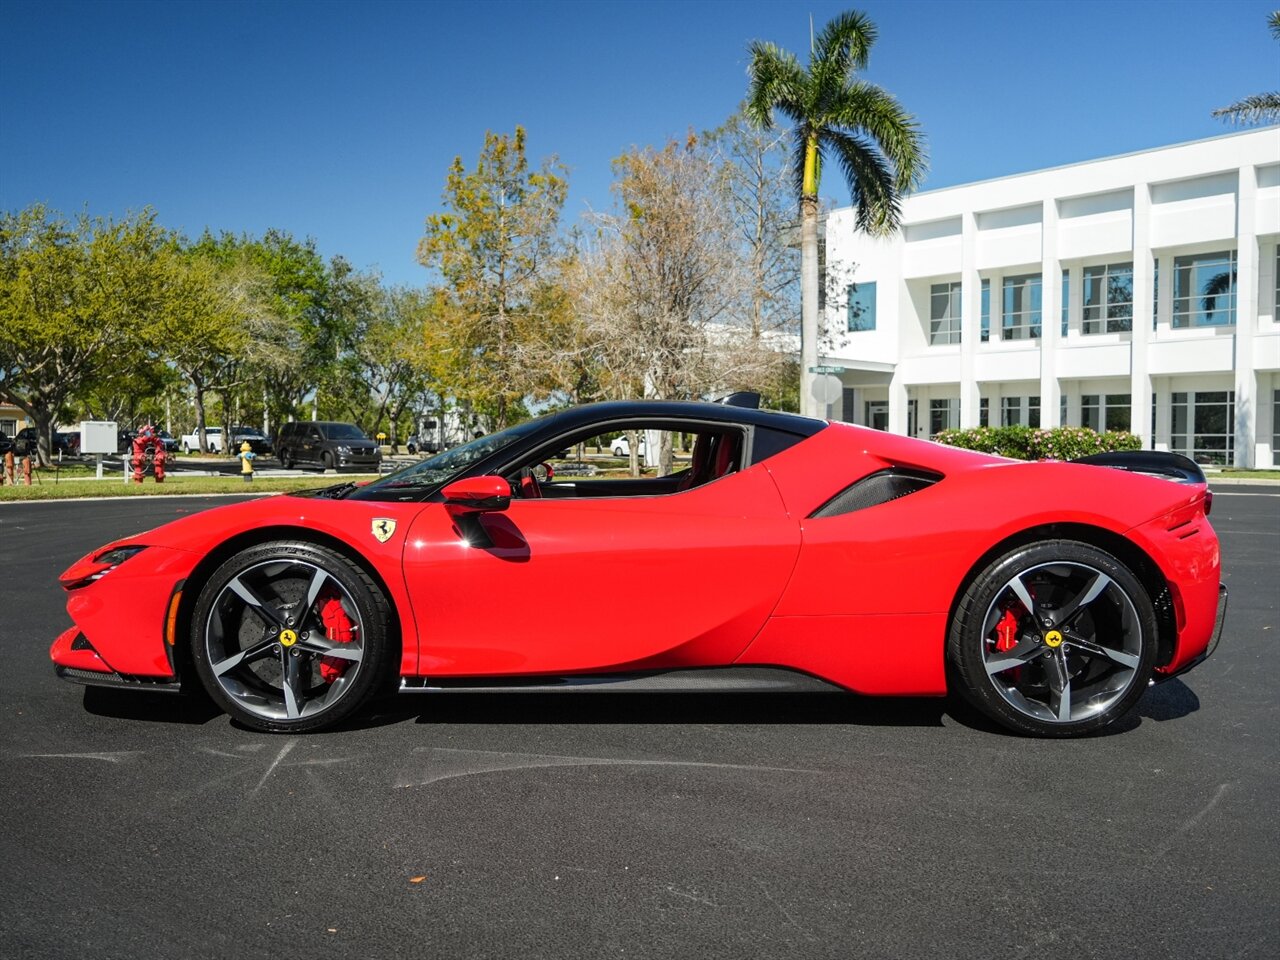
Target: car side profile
(783,552)
(329,444)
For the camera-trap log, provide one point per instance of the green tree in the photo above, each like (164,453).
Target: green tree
(304,344)
(383,369)
(1261,107)
(834,115)
(75,299)
(494,249)
(208,326)
(754,178)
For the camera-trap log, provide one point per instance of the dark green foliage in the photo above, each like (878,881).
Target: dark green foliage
(1032,443)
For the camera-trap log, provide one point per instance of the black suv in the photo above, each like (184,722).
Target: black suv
(329,444)
(27,441)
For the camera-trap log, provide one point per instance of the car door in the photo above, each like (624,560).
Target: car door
(579,585)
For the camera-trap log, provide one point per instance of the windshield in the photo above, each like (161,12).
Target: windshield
(342,431)
(438,470)
(248,432)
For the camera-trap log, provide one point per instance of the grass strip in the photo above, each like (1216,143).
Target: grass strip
(194,486)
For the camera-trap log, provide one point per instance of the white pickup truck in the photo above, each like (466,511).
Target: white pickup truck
(190,442)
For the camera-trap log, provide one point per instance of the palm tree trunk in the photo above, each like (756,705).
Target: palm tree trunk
(808,303)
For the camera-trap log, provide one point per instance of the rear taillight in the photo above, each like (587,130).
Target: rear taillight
(1208,502)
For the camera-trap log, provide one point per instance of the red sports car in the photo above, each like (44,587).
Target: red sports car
(761,550)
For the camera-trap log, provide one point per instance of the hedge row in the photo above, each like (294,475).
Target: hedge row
(1031,443)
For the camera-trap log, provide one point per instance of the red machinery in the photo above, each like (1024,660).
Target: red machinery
(148,449)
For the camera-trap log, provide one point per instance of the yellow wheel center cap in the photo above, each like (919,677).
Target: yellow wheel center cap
(1053,638)
(288,638)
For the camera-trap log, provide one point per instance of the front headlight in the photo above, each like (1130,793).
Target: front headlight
(343,448)
(96,566)
(117,555)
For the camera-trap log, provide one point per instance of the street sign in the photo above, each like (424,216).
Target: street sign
(826,388)
(826,369)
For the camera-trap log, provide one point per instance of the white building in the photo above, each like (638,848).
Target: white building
(1138,292)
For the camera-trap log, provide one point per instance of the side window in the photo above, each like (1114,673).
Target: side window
(631,460)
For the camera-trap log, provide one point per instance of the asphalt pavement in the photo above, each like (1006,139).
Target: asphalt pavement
(632,825)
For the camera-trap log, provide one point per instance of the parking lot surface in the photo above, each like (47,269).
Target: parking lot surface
(632,825)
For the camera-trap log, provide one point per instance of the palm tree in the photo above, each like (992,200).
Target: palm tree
(877,144)
(1260,107)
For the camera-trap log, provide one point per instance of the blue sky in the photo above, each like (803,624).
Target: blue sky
(338,120)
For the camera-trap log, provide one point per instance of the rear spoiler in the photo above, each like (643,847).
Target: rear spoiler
(1154,462)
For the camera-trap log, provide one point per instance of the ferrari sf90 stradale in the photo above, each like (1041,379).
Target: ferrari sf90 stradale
(770,551)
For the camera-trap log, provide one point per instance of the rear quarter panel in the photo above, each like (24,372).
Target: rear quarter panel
(868,603)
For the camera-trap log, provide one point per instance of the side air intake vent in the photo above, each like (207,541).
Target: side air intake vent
(877,488)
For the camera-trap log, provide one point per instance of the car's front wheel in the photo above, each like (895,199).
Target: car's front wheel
(1054,639)
(290,637)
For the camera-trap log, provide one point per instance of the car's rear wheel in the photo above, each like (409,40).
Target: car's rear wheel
(290,637)
(1054,639)
(286,460)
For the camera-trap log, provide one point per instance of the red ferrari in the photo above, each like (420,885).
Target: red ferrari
(765,550)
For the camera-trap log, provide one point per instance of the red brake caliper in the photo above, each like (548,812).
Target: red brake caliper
(1007,632)
(340,629)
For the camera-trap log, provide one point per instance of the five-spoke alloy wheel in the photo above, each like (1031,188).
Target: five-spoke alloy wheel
(289,636)
(1054,639)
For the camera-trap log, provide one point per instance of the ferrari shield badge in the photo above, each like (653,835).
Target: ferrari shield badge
(383,528)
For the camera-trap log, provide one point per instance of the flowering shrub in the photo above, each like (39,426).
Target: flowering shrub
(1031,443)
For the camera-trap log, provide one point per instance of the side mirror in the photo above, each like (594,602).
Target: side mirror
(477,495)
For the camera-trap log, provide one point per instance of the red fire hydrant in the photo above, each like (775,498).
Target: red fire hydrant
(26,469)
(8,468)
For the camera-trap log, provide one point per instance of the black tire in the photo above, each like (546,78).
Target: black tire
(327,461)
(286,460)
(261,649)
(1078,660)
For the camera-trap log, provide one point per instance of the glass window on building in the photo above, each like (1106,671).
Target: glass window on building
(1020,411)
(1204,290)
(1066,300)
(1275,405)
(944,313)
(1091,411)
(986,310)
(943,415)
(862,307)
(1275,316)
(984,412)
(1203,426)
(1155,293)
(1108,299)
(1102,412)
(848,405)
(877,414)
(1020,308)
(1118,413)
(913,418)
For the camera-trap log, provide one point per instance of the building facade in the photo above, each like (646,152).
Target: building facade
(12,419)
(1138,292)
